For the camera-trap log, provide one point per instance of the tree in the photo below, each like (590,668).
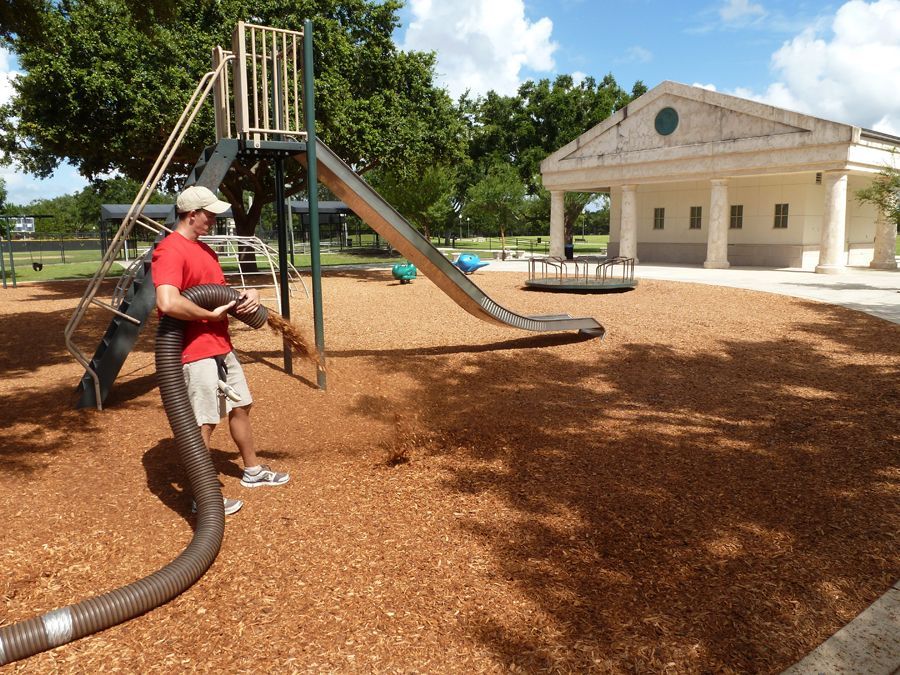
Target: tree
(80,212)
(105,80)
(497,200)
(573,206)
(543,117)
(2,207)
(426,199)
(884,194)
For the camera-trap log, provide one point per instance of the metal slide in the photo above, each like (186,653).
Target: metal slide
(384,219)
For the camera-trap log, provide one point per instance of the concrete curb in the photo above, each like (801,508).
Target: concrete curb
(869,644)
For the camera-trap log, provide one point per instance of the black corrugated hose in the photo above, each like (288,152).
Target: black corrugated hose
(25,638)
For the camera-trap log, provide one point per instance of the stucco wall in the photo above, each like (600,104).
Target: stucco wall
(758,242)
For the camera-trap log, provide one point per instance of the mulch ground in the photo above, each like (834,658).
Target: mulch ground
(713,487)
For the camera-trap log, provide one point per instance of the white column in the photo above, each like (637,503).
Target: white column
(885,243)
(557,223)
(628,226)
(834,224)
(717,239)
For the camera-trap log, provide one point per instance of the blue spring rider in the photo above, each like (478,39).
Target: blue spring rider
(469,262)
(404,272)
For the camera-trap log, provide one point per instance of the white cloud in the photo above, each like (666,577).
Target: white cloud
(711,87)
(22,188)
(850,73)
(7,75)
(636,54)
(741,11)
(481,44)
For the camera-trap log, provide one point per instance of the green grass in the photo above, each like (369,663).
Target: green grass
(538,245)
(56,270)
(83,264)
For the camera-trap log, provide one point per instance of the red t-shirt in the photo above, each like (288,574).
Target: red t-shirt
(180,262)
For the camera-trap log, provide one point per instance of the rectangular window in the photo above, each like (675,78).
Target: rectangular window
(659,219)
(781,215)
(737,216)
(696,217)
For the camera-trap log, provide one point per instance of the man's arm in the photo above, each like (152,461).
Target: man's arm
(172,303)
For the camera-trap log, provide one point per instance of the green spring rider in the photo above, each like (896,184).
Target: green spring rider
(404,272)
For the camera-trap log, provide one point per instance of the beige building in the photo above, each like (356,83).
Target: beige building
(699,177)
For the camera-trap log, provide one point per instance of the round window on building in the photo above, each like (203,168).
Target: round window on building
(666,121)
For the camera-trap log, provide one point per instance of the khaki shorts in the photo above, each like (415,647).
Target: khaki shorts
(202,381)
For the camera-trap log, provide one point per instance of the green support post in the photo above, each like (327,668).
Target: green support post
(2,263)
(12,261)
(282,257)
(309,113)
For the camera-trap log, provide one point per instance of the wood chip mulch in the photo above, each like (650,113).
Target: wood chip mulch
(712,488)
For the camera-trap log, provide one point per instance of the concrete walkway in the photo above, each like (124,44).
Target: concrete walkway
(875,292)
(869,644)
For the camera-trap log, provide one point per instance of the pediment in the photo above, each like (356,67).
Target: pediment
(698,122)
(708,123)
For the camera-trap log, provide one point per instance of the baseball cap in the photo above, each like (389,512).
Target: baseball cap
(197,197)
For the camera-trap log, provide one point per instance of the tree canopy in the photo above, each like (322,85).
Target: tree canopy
(884,194)
(543,116)
(105,80)
(496,202)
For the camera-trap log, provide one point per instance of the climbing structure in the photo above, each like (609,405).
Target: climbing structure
(260,81)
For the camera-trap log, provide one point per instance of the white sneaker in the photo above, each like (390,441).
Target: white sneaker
(232,506)
(265,476)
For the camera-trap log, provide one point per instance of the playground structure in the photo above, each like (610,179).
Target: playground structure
(595,274)
(469,263)
(404,272)
(273,116)
(262,71)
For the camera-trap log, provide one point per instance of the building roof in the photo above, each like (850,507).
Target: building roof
(160,212)
(302,206)
(676,132)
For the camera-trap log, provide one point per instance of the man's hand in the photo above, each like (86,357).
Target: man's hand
(221,313)
(248,303)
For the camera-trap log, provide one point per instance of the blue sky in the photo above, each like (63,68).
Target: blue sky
(837,60)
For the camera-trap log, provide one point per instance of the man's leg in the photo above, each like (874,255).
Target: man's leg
(242,433)
(255,474)
(206,431)
(201,379)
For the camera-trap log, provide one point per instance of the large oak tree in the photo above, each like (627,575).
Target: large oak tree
(105,81)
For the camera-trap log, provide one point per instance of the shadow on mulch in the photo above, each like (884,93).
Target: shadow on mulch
(68,289)
(853,330)
(534,342)
(274,360)
(167,479)
(40,339)
(45,414)
(360,274)
(697,479)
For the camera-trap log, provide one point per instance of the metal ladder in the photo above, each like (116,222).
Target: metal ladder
(134,217)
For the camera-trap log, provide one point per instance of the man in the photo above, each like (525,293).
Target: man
(182,261)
